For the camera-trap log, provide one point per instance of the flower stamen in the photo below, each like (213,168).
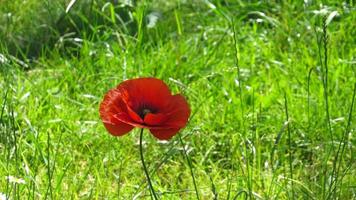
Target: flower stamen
(144,112)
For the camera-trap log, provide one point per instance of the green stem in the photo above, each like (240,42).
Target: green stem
(145,168)
(289,144)
(190,166)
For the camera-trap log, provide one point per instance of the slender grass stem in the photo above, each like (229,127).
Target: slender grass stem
(323,40)
(190,166)
(325,78)
(16,143)
(49,174)
(152,191)
(247,162)
(308,105)
(340,150)
(7,148)
(289,144)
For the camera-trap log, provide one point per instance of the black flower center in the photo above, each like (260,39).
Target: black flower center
(145,111)
(142,112)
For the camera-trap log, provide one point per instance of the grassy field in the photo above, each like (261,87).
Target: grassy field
(271,87)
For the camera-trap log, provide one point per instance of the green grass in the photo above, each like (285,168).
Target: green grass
(270,118)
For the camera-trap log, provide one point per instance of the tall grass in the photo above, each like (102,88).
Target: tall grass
(271,87)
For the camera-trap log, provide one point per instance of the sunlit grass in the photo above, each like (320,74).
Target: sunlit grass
(238,136)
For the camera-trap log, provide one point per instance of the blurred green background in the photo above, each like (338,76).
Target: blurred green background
(271,85)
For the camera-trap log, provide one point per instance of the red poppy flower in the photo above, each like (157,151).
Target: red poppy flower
(144,103)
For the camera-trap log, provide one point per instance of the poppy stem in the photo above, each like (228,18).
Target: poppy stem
(152,191)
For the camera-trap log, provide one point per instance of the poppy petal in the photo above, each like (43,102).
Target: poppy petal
(143,92)
(164,134)
(179,112)
(144,103)
(155,119)
(118,129)
(134,115)
(111,105)
(125,118)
